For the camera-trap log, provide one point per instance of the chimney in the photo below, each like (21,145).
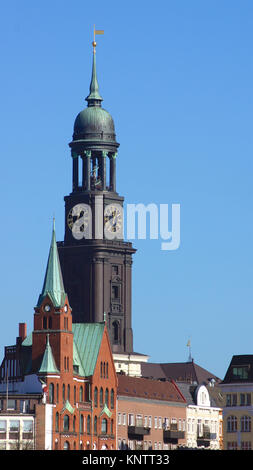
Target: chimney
(22,331)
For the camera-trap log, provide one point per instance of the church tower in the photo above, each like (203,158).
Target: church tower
(96,262)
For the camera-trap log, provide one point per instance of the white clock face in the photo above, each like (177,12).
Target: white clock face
(47,308)
(79,221)
(113,220)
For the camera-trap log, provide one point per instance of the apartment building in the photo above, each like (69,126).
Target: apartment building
(151,414)
(237,389)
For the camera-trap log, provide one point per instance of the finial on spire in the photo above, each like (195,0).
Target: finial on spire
(94,98)
(189,346)
(96,31)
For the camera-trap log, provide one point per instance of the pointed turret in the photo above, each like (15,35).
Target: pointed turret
(48,365)
(53,282)
(94,98)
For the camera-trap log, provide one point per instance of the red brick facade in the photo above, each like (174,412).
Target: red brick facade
(80,418)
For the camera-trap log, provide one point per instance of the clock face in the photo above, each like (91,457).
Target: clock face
(113,220)
(78,220)
(47,308)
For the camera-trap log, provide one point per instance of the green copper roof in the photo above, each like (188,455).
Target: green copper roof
(105,410)
(77,361)
(53,282)
(87,338)
(48,365)
(86,345)
(94,98)
(67,406)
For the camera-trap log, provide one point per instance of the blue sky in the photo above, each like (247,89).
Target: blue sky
(177,78)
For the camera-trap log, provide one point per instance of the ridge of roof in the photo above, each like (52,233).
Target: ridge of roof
(146,388)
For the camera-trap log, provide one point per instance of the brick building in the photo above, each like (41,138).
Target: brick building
(69,371)
(151,414)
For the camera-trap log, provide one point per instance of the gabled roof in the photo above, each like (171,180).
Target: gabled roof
(179,371)
(48,365)
(53,282)
(87,338)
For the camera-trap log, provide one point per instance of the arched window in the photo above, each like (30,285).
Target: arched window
(116,333)
(107,397)
(246,423)
(74,395)
(57,393)
(88,424)
(50,323)
(112,398)
(57,421)
(81,424)
(96,397)
(95,425)
(68,396)
(66,445)
(87,391)
(63,393)
(81,394)
(231,424)
(104,369)
(111,426)
(44,323)
(74,424)
(104,426)
(66,423)
(107,370)
(101,370)
(51,393)
(101,397)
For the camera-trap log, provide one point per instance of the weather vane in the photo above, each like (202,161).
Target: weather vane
(96,31)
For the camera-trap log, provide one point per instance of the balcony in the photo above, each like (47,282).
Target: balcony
(204,436)
(138,430)
(172,434)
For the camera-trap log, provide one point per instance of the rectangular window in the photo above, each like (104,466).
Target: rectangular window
(240,372)
(139,420)
(130,420)
(242,399)
(115,292)
(119,418)
(246,445)
(115,270)
(124,419)
(28,425)
(248,399)
(3,425)
(12,404)
(14,425)
(234,399)
(24,406)
(150,421)
(160,422)
(232,446)
(229,399)
(155,422)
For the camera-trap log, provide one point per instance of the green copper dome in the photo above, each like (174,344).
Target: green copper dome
(94,123)
(94,126)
